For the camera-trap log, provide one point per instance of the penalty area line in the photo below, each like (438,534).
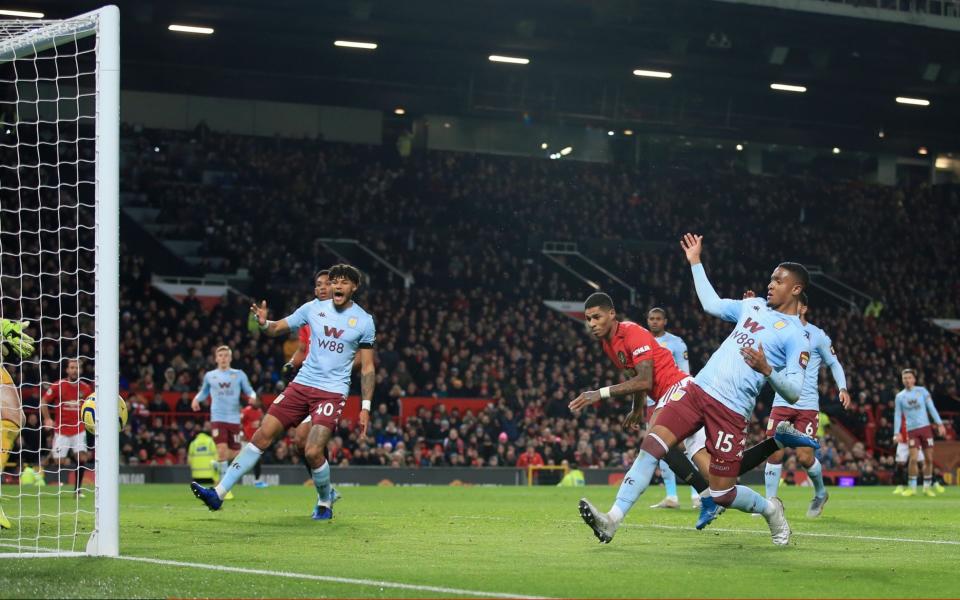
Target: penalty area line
(328,578)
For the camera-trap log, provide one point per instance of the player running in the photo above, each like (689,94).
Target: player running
(914,403)
(340,329)
(66,396)
(223,387)
(653,372)
(766,345)
(12,341)
(657,324)
(804,414)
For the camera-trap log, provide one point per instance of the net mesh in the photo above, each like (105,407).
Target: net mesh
(47,252)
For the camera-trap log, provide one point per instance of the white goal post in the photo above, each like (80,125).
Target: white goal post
(59,208)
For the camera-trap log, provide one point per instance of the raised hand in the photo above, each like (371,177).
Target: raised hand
(748,295)
(260,312)
(692,246)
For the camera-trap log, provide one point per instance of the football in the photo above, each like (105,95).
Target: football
(88,413)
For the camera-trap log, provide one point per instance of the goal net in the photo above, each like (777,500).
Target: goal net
(59,140)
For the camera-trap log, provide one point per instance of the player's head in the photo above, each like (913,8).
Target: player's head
(600,314)
(73,369)
(321,284)
(657,320)
(223,355)
(344,282)
(803,304)
(909,378)
(787,282)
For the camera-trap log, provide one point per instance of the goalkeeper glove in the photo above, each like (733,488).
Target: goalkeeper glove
(14,339)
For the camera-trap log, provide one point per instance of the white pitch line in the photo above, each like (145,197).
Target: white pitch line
(331,579)
(871,538)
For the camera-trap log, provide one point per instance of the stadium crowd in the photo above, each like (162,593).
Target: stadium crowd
(469,229)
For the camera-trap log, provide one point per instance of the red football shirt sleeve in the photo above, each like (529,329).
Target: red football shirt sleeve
(640,344)
(51,391)
(304,335)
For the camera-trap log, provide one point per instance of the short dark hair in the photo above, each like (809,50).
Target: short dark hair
(657,309)
(799,271)
(804,300)
(319,273)
(598,300)
(345,271)
(911,371)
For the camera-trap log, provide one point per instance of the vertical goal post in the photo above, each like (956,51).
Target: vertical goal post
(59,205)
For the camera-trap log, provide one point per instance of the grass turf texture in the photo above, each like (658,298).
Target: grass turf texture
(505,540)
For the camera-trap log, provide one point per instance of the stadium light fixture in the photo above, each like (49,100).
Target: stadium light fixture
(739,147)
(352,44)
(627,132)
(655,74)
(399,111)
(922,151)
(26,14)
(836,150)
(610,132)
(942,163)
(544,146)
(566,151)
(786,87)
(514,60)
(190,29)
(913,101)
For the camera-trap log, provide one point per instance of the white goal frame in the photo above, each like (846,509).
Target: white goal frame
(105,538)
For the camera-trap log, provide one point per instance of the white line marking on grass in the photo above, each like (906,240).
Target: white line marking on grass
(330,578)
(872,538)
(800,533)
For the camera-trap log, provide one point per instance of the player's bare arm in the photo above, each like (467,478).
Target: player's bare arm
(639,385)
(368,381)
(269,328)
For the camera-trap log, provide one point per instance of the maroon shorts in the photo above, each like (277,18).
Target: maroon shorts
(806,421)
(921,437)
(691,408)
(298,401)
(226,433)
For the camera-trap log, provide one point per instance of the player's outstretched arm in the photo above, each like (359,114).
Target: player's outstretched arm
(270,328)
(640,384)
(726,309)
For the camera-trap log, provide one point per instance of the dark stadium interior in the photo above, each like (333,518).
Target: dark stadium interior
(469,227)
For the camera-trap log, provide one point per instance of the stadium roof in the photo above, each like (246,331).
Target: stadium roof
(432,57)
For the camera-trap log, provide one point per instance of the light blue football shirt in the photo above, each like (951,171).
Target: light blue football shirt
(335,337)
(223,387)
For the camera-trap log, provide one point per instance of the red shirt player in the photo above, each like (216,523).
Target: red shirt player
(66,397)
(653,372)
(250,417)
(632,348)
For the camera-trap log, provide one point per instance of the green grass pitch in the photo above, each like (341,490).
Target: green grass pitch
(527,541)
